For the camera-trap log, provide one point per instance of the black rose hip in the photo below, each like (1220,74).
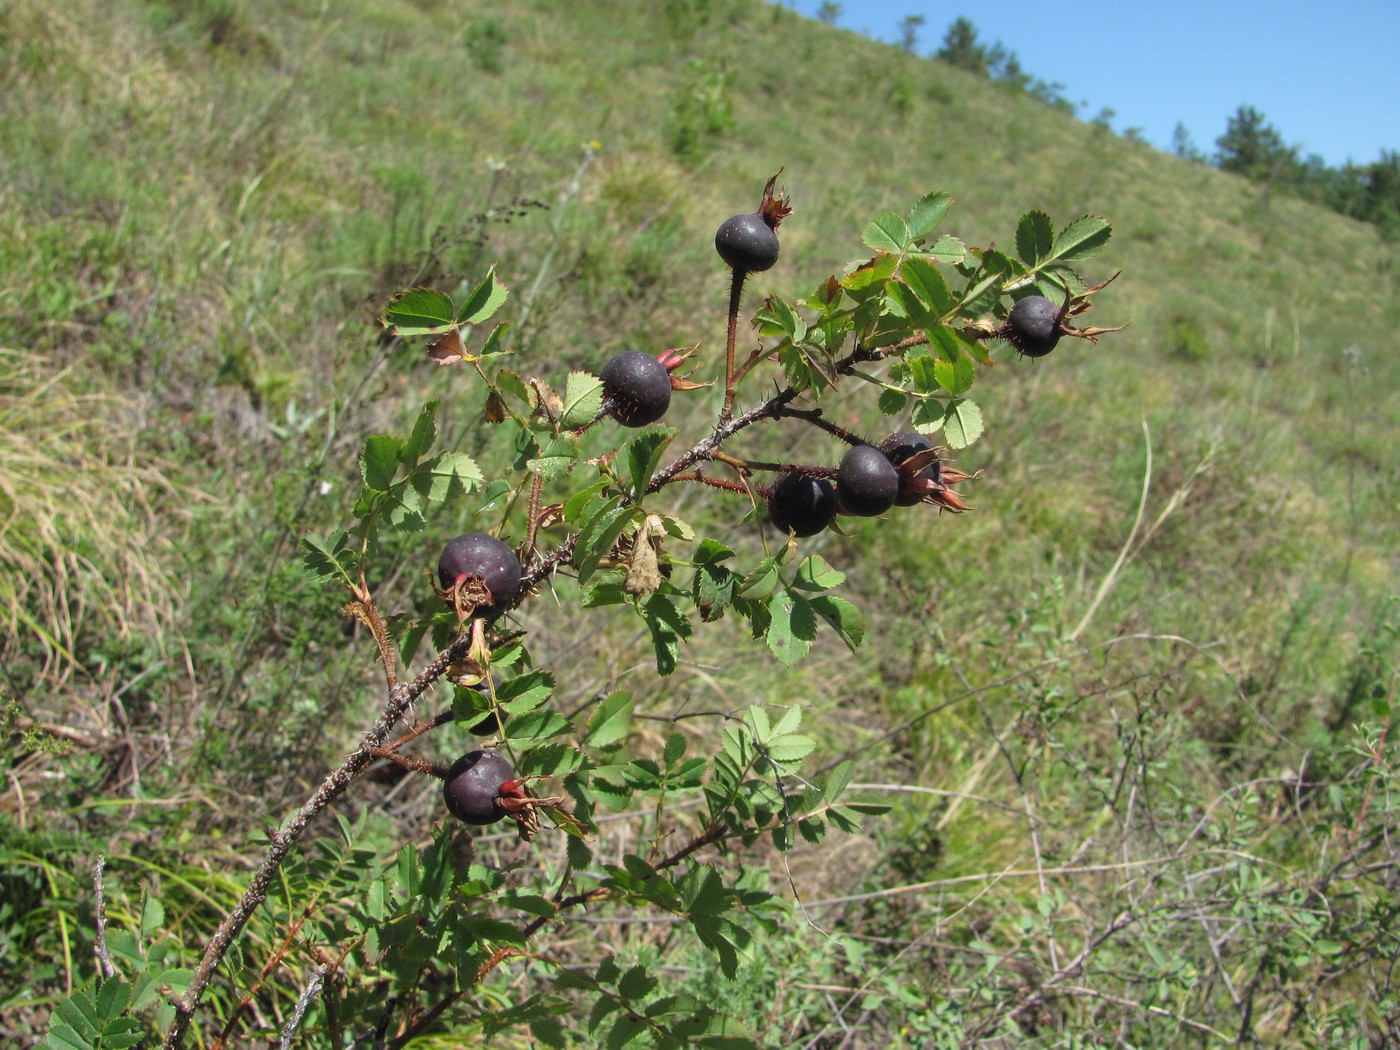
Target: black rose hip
(638,387)
(487,559)
(867,483)
(475,784)
(801,503)
(1034,325)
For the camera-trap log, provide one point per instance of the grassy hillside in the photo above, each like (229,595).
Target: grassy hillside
(1116,706)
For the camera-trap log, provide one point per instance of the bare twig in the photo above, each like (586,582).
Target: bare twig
(303,1001)
(1011,873)
(1047,990)
(99,949)
(1198,1026)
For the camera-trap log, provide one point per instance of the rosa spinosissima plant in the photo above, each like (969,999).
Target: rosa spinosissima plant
(907,328)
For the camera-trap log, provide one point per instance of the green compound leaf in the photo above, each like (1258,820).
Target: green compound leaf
(611,720)
(927,214)
(668,628)
(469,706)
(551,760)
(721,936)
(902,303)
(842,617)
(445,476)
(1082,239)
(892,402)
(530,903)
(379,461)
(509,382)
(955,376)
(643,453)
(635,982)
(152,919)
(422,437)
(790,747)
(537,725)
(792,627)
(713,590)
(836,782)
(756,718)
(778,319)
(85,1022)
(403,510)
(1057,279)
(949,343)
(583,396)
(492,346)
(674,750)
(887,233)
(1034,237)
(525,692)
(790,721)
(962,423)
(597,538)
(493,495)
(556,458)
(947,249)
(583,504)
(485,299)
(328,559)
(923,372)
(1001,263)
(865,279)
(928,284)
(814,574)
(419,311)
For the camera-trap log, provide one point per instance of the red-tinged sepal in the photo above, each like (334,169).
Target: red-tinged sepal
(672,360)
(515,802)
(775,207)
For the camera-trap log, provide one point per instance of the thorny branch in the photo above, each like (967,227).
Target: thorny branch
(402,695)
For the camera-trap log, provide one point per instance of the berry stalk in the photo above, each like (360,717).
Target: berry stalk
(736,290)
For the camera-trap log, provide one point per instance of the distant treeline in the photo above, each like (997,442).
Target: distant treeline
(1254,148)
(961,48)
(1250,146)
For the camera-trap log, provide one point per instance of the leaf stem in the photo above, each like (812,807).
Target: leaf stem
(736,290)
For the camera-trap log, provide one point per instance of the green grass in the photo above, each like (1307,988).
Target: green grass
(204,205)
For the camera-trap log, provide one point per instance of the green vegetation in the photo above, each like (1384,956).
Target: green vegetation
(1254,148)
(962,49)
(1131,712)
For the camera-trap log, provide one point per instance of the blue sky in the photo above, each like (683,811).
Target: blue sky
(1327,76)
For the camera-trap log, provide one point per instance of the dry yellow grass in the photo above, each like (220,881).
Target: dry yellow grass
(81,550)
